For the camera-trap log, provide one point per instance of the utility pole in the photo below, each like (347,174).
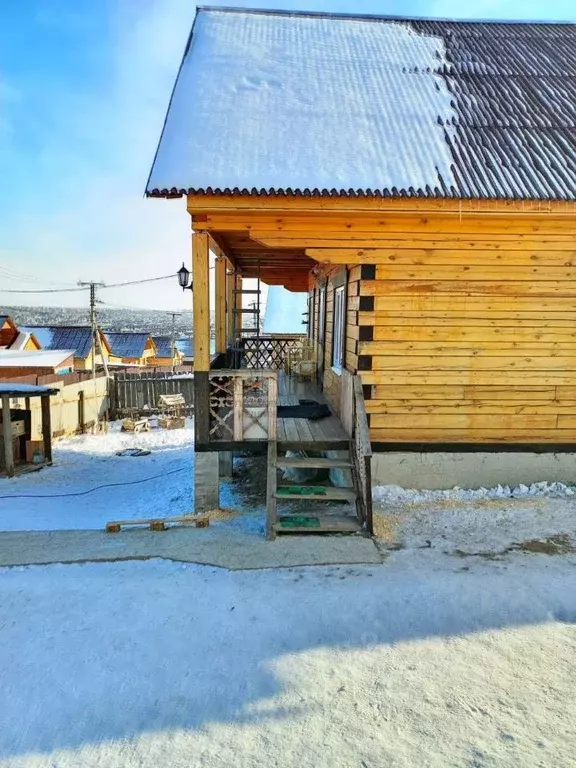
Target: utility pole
(173,337)
(96,344)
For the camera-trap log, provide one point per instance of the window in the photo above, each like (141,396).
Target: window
(322,315)
(339,327)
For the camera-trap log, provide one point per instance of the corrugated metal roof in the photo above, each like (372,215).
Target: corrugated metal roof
(163,346)
(128,344)
(76,337)
(290,103)
(185,347)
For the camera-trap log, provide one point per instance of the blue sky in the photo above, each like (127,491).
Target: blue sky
(84,86)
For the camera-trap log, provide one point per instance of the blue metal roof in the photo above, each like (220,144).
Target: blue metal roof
(128,344)
(76,337)
(185,346)
(163,346)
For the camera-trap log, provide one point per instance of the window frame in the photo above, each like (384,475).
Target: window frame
(339,328)
(322,315)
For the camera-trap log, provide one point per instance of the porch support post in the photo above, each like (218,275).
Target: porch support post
(46,428)
(7,435)
(230,284)
(206,483)
(226,464)
(220,300)
(238,319)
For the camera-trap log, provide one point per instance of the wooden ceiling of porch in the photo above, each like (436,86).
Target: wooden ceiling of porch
(289,267)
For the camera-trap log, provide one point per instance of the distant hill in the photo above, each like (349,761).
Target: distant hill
(151,321)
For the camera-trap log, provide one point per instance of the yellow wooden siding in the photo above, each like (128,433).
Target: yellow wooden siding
(473,312)
(473,345)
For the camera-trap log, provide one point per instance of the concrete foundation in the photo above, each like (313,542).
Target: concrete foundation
(226,464)
(206,482)
(439,471)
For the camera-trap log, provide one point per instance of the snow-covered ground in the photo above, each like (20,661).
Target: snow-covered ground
(85,462)
(475,521)
(419,662)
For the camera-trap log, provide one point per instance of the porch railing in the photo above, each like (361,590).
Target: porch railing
(260,352)
(361,451)
(242,406)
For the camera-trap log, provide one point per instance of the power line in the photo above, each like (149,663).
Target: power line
(43,290)
(138,282)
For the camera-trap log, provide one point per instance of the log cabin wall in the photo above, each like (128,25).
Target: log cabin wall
(461,314)
(471,337)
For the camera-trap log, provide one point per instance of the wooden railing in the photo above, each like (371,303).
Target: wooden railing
(261,352)
(361,453)
(242,406)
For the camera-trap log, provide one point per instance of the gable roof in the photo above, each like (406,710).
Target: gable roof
(128,344)
(186,347)
(75,337)
(304,103)
(163,346)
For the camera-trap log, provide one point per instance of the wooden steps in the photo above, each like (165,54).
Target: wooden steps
(309,522)
(316,524)
(329,494)
(313,462)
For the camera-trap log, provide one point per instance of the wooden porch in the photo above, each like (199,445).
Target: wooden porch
(301,433)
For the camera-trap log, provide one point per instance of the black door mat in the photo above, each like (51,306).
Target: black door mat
(307,409)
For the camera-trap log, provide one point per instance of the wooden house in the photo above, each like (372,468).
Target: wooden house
(11,337)
(129,348)
(38,362)
(75,337)
(167,353)
(418,179)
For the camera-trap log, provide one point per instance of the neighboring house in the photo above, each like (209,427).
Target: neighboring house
(11,337)
(165,354)
(75,337)
(186,349)
(286,312)
(418,179)
(36,362)
(132,348)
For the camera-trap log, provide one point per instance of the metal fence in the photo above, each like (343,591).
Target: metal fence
(132,393)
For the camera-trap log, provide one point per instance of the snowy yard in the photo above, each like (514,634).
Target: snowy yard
(457,650)
(419,662)
(67,495)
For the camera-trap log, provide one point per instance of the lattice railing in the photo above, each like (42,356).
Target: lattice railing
(263,351)
(242,405)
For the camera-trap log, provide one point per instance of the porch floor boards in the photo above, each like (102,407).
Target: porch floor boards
(302,434)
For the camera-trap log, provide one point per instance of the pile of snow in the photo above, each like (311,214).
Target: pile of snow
(386,494)
(479,520)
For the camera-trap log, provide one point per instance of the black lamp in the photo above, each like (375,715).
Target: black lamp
(183,277)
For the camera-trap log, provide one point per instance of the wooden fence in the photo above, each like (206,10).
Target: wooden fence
(132,393)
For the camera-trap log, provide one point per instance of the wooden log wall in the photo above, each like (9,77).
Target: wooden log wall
(461,314)
(469,336)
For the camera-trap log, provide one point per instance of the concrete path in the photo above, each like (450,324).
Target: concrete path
(216,545)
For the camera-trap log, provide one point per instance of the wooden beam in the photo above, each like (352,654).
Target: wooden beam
(201,301)
(199,204)
(237,321)
(230,304)
(46,428)
(220,302)
(7,434)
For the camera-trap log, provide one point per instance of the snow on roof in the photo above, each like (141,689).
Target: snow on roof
(283,102)
(20,341)
(128,344)
(25,389)
(284,311)
(35,358)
